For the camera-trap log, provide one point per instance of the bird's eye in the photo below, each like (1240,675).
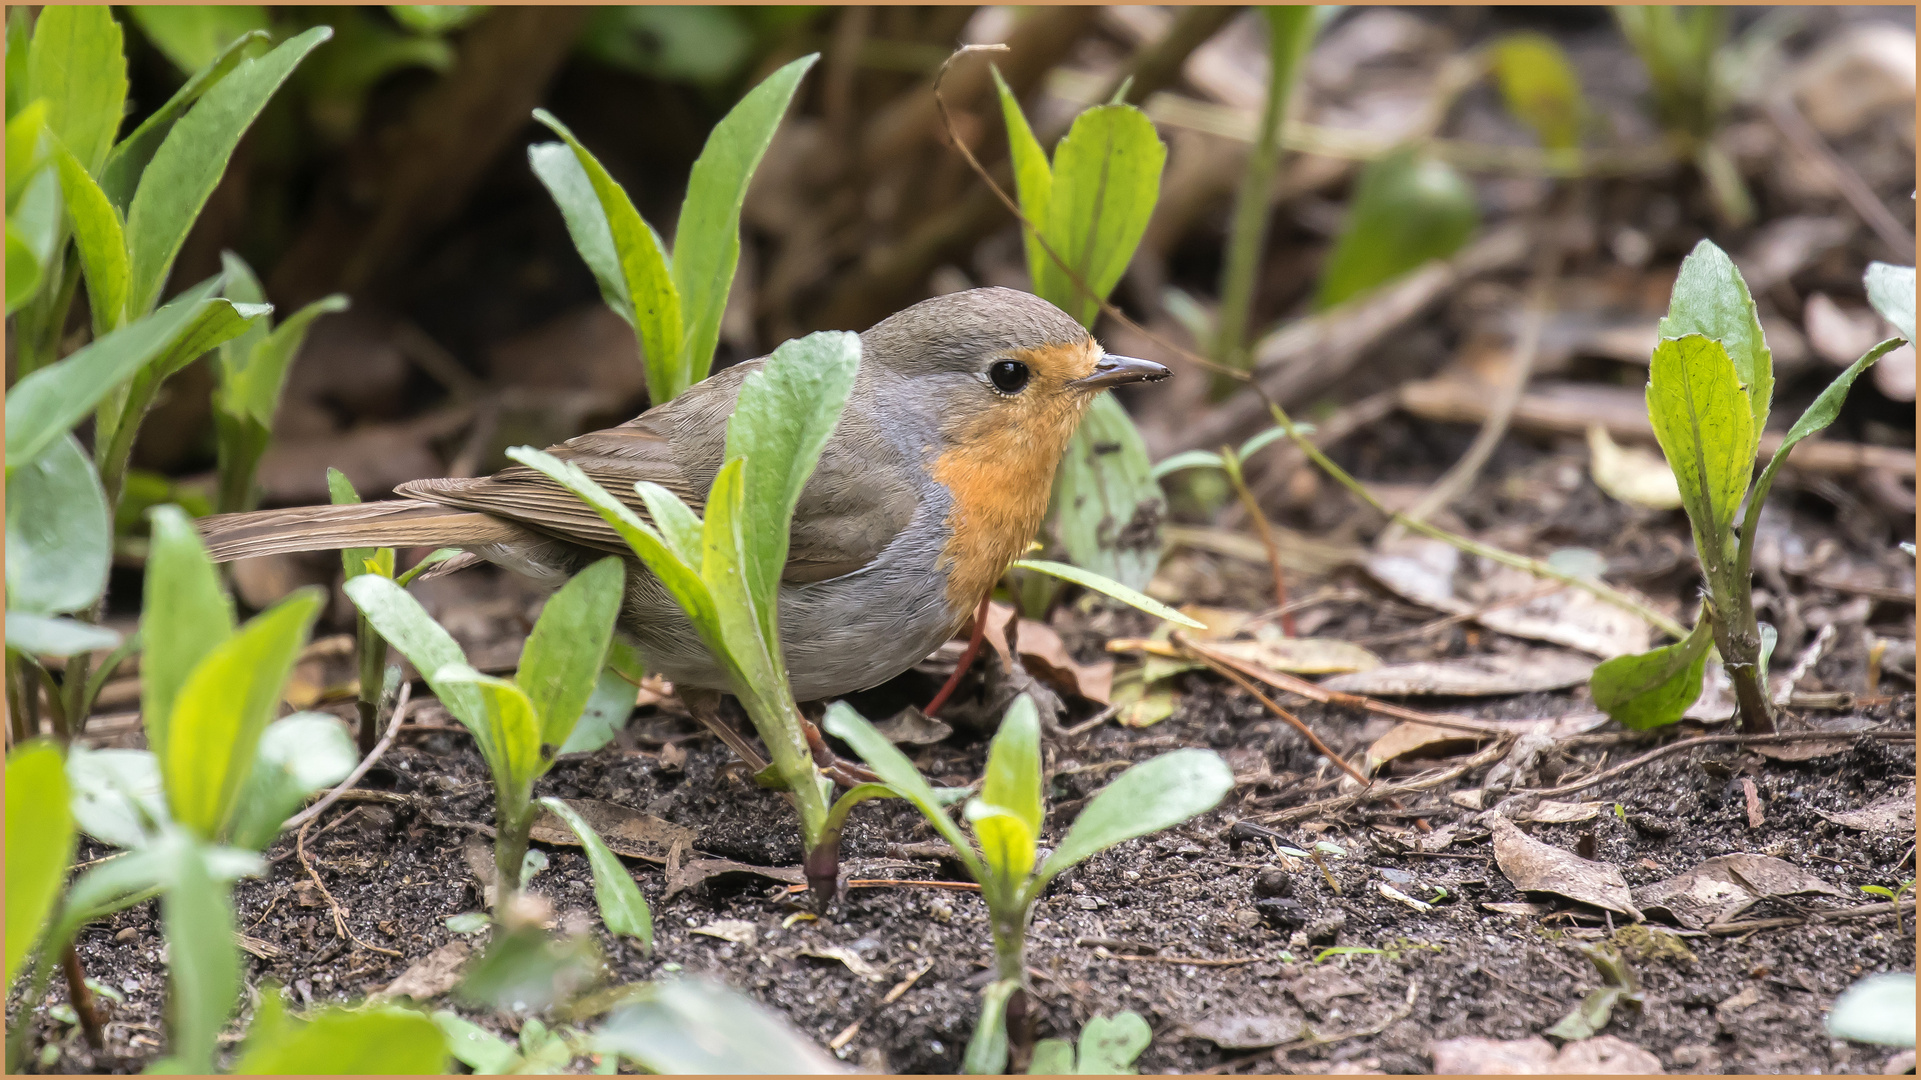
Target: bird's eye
(1008,376)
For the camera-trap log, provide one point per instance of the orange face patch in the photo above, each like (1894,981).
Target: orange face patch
(999,466)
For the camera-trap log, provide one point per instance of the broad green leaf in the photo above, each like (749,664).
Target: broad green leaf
(568,646)
(223,708)
(1006,844)
(622,907)
(1710,299)
(130,156)
(78,66)
(1652,689)
(427,562)
(117,796)
(28,146)
(898,773)
(59,540)
(1052,1057)
(381,1040)
(39,217)
(1891,291)
(46,404)
(653,302)
(1013,780)
(1540,87)
(435,18)
(707,235)
(1147,798)
(47,635)
(253,388)
(511,739)
(185,615)
(190,161)
(782,420)
(1590,1016)
(486,1053)
(19,43)
(102,240)
(203,957)
(1703,423)
(679,526)
(1878,1009)
(1406,209)
(1186,459)
(299,755)
(1089,579)
(406,625)
(220,322)
(1107,176)
(724,567)
(1111,1044)
(1106,503)
(353,561)
(194,35)
(1033,175)
(23,270)
(40,840)
(986,1053)
(691,1026)
(606,713)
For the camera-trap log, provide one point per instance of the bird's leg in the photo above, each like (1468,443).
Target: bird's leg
(966,659)
(705,705)
(843,772)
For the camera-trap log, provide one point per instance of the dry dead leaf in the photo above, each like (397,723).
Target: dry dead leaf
(1839,333)
(431,975)
(1631,474)
(1722,887)
(1301,656)
(1893,814)
(1249,1031)
(738,931)
(1606,1054)
(1471,676)
(1317,986)
(912,727)
(1221,623)
(1533,866)
(697,871)
(1556,812)
(1045,656)
(627,831)
(853,960)
(1425,740)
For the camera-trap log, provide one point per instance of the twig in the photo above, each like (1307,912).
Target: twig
(1854,189)
(1180,641)
(1893,734)
(847,1034)
(1865,911)
(300,820)
(339,913)
(1380,792)
(897,883)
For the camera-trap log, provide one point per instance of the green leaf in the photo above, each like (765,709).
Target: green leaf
(724,567)
(606,714)
(1106,502)
(1590,1016)
(1406,209)
(1703,423)
(691,1026)
(1006,845)
(563,656)
(679,526)
(102,240)
(1052,1057)
(1107,176)
(1187,459)
(427,562)
(707,236)
(130,156)
(252,382)
(782,420)
(1878,1009)
(40,841)
(1154,795)
(1107,586)
(509,734)
(45,635)
(185,615)
(59,541)
(77,64)
(203,957)
(29,145)
(406,625)
(192,158)
(46,404)
(986,1053)
(117,796)
(1013,780)
(368,1041)
(1891,291)
(226,703)
(299,755)
(486,1053)
(38,228)
(625,254)
(622,907)
(19,43)
(1033,175)
(1111,1044)
(435,18)
(1540,87)
(353,561)
(1710,299)
(194,35)
(23,269)
(1652,689)
(898,773)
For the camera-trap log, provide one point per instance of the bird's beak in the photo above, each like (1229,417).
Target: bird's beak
(1116,370)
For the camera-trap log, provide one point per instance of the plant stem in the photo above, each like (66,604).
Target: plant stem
(37,326)
(23,719)
(822,864)
(81,998)
(373,683)
(512,823)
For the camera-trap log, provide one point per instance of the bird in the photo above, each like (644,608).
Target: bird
(936,477)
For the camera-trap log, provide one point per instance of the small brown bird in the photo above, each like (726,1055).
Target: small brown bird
(935,479)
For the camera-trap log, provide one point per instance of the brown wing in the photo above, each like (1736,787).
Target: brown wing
(852,508)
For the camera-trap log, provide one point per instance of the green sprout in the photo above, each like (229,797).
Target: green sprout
(1710,385)
(1006,822)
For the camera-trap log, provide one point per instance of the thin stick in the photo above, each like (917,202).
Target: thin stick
(1854,189)
(300,820)
(1865,911)
(1232,464)
(1380,792)
(1180,640)
(966,658)
(1707,740)
(339,913)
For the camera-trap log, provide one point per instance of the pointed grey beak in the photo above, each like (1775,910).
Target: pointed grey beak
(1116,370)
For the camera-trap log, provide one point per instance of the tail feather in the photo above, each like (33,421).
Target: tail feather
(389,523)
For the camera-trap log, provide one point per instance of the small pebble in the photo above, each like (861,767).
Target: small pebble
(1273,882)
(1247,918)
(1327,931)
(1282,913)
(127,934)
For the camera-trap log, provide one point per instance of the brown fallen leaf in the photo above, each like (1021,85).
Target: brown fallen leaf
(738,931)
(627,831)
(1721,888)
(696,872)
(1631,474)
(911,727)
(1894,814)
(1604,1054)
(1316,987)
(1420,740)
(853,960)
(1249,1031)
(1533,866)
(1556,812)
(1471,676)
(1045,657)
(430,976)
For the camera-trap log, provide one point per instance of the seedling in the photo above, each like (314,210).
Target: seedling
(1878,1009)
(1710,386)
(1006,821)
(673,301)
(1109,1046)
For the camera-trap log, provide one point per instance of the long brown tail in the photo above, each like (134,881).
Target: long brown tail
(389,523)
